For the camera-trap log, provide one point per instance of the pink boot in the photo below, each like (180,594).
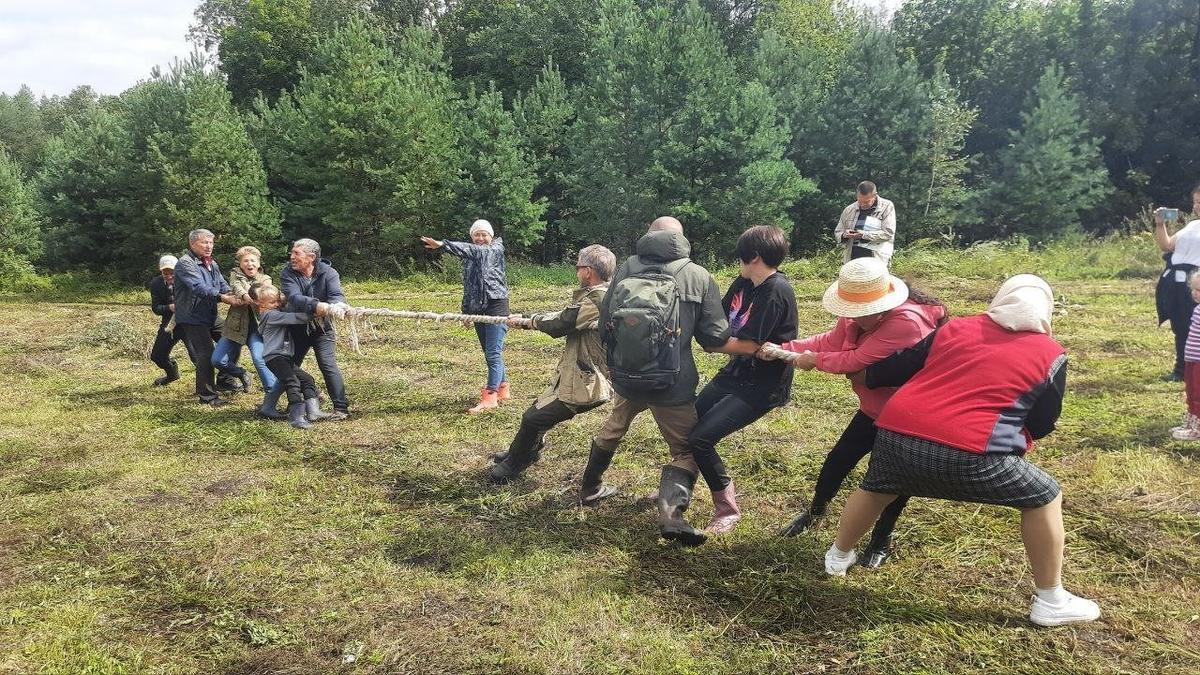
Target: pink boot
(726,513)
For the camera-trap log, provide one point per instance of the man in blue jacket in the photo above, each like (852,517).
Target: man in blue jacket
(306,281)
(199,286)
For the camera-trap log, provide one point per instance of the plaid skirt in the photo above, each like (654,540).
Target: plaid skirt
(914,467)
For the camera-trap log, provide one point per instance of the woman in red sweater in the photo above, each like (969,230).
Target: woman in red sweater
(975,395)
(878,316)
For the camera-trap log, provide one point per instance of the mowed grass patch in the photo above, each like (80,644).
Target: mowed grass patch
(140,531)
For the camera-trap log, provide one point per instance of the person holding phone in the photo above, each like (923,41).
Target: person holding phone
(1173,299)
(867,227)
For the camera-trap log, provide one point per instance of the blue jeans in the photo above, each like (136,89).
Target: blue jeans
(228,352)
(491,338)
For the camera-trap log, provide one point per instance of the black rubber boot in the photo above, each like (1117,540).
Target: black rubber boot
(295,413)
(267,409)
(674,497)
(802,522)
(514,464)
(172,374)
(878,550)
(592,488)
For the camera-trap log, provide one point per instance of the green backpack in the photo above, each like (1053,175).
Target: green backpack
(642,333)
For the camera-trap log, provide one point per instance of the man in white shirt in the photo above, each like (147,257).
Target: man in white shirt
(867,227)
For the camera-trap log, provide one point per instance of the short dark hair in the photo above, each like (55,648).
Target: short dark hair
(766,241)
(866,188)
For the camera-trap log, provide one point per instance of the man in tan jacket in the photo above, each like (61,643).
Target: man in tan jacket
(867,228)
(581,382)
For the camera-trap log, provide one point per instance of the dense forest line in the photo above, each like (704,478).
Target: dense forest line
(363,123)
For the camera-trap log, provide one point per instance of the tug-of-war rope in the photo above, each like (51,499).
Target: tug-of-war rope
(354,315)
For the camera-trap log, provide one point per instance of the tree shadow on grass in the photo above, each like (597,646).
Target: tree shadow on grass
(757,583)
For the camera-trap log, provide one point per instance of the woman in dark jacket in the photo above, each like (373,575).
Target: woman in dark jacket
(973,396)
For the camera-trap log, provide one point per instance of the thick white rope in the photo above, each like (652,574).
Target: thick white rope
(355,315)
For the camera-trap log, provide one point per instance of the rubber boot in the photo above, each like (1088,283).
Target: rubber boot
(268,407)
(674,497)
(592,488)
(487,401)
(295,415)
(244,379)
(172,374)
(312,410)
(504,392)
(802,522)
(726,513)
(514,464)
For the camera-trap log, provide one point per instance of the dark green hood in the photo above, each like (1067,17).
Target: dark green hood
(663,246)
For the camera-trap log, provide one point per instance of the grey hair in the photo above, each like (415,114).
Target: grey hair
(309,246)
(599,259)
(196,234)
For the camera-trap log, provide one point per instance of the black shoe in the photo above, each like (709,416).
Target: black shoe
(801,523)
(1172,377)
(514,465)
(244,378)
(877,553)
(218,403)
(227,387)
(498,457)
(172,374)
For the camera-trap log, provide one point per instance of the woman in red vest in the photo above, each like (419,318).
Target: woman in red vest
(975,395)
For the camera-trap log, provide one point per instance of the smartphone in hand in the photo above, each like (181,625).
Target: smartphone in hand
(1170,214)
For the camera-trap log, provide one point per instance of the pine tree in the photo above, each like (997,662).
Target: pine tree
(363,153)
(20,232)
(498,178)
(666,126)
(874,125)
(127,184)
(948,207)
(543,117)
(1051,172)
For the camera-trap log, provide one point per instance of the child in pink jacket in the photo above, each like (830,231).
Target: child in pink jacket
(878,316)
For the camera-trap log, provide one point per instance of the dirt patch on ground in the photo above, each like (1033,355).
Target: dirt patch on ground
(232,486)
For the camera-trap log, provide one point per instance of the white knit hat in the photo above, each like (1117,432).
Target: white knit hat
(482,225)
(167,262)
(864,287)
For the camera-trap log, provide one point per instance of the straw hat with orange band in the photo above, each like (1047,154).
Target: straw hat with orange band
(864,287)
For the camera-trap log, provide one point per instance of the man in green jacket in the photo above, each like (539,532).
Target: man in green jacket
(581,381)
(664,249)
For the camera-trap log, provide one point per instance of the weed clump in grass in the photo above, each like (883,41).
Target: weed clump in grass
(118,336)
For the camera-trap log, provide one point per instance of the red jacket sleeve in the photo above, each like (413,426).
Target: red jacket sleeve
(894,334)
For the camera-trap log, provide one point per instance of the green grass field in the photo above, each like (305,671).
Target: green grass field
(142,532)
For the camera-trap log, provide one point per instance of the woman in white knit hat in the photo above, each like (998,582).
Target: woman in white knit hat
(485,291)
(878,315)
(973,397)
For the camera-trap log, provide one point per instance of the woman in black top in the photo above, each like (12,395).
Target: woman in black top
(761,307)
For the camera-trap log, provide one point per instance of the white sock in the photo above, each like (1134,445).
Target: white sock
(1054,596)
(835,552)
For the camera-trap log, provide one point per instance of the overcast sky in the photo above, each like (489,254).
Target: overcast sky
(56,45)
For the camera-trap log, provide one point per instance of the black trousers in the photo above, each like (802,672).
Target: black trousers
(164,342)
(718,414)
(322,343)
(535,422)
(855,443)
(1180,328)
(298,384)
(199,343)
(857,252)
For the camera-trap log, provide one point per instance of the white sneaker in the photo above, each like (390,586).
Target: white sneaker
(1186,434)
(1072,610)
(836,564)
